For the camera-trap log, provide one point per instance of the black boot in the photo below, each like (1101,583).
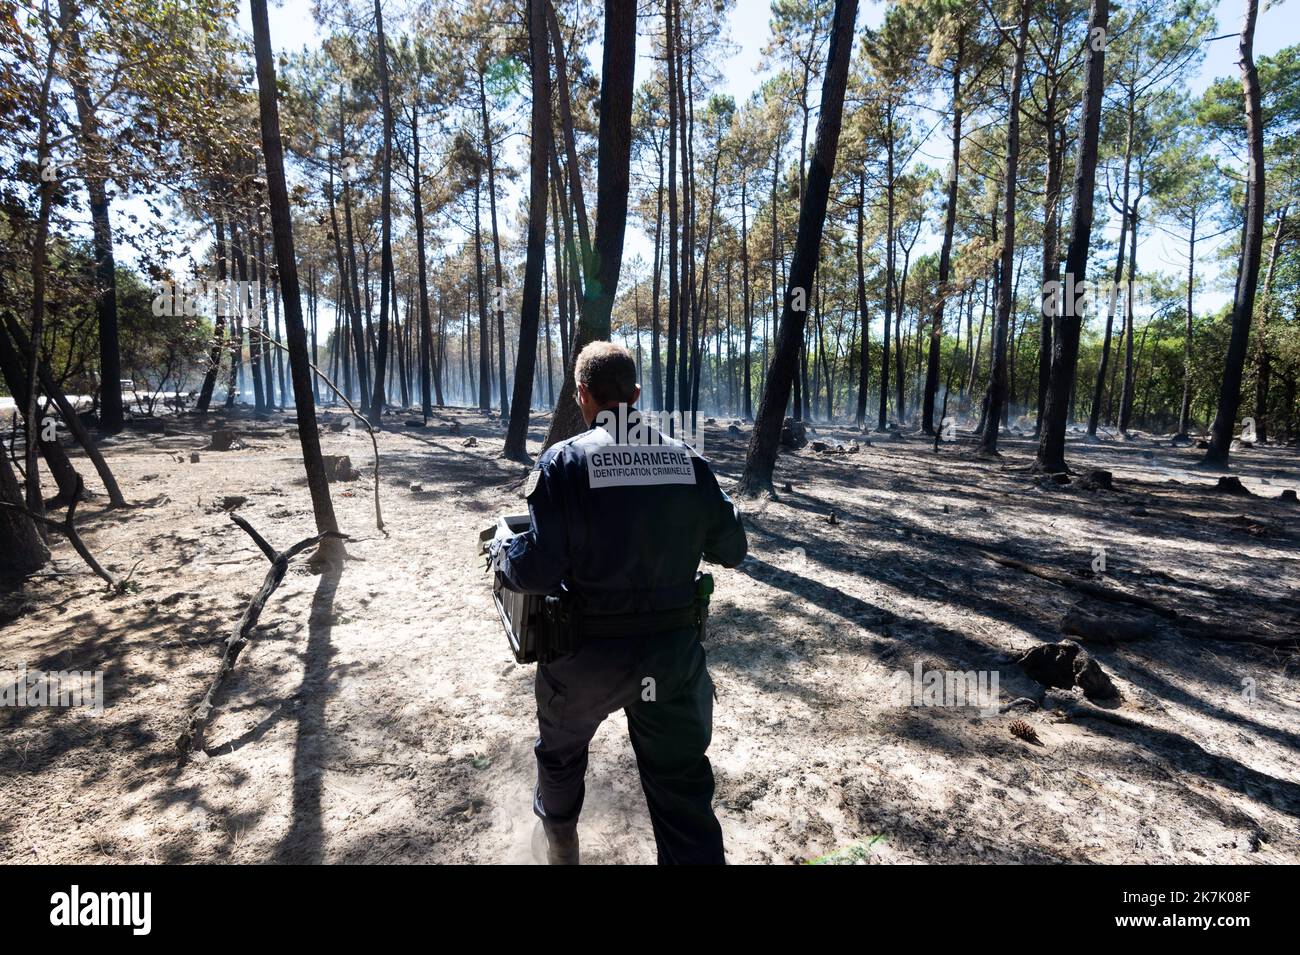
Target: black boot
(561,845)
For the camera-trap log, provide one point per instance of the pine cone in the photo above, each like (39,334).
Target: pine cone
(1022,730)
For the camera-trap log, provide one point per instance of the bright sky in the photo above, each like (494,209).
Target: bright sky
(292,28)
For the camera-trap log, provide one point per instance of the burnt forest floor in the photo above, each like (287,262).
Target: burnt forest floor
(377,716)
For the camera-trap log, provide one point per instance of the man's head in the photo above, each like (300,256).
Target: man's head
(606,377)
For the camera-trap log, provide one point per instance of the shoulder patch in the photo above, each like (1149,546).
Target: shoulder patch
(534,478)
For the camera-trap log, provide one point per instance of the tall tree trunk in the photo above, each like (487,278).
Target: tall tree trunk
(1006,289)
(1051,255)
(498,290)
(945,251)
(656,363)
(686,301)
(330,548)
(570,145)
(1185,406)
(561,285)
(218,334)
(1130,366)
(426,325)
(110,360)
(539,148)
(864,367)
(747,369)
(760,460)
(1252,237)
(264,328)
(46,197)
(613,161)
(1066,320)
(386,277)
(22,549)
(1264,360)
(670,46)
(484,355)
(360,359)
(1112,297)
(883,417)
(899,346)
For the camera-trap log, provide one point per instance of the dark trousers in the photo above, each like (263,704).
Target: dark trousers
(663,685)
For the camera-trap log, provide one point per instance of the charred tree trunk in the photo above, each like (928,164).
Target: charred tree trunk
(386,278)
(1067,321)
(539,147)
(484,356)
(331,549)
(1264,359)
(1112,297)
(22,550)
(670,46)
(761,458)
(498,292)
(945,253)
(1006,289)
(1252,236)
(110,360)
(613,161)
(426,326)
(218,334)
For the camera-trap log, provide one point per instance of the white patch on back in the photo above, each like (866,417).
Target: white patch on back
(635,465)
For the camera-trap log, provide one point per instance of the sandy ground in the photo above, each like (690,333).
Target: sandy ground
(378,716)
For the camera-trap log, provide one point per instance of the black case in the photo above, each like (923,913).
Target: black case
(521,614)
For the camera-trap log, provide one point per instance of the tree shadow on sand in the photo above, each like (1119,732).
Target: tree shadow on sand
(305,840)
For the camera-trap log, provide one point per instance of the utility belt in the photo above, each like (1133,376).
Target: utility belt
(559,626)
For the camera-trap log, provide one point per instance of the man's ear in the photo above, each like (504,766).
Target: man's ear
(636,394)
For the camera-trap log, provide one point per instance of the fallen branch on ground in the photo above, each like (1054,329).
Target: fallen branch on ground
(1073,709)
(1083,586)
(191,738)
(1191,626)
(1105,629)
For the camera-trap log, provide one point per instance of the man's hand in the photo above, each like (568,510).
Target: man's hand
(496,549)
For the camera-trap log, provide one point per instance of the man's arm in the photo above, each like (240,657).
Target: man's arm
(536,561)
(724,542)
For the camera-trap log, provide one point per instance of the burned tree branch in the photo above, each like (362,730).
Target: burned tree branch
(374,442)
(191,738)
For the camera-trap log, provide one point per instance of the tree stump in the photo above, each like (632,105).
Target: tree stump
(1065,665)
(794,434)
(1231,484)
(223,439)
(1096,479)
(338,467)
